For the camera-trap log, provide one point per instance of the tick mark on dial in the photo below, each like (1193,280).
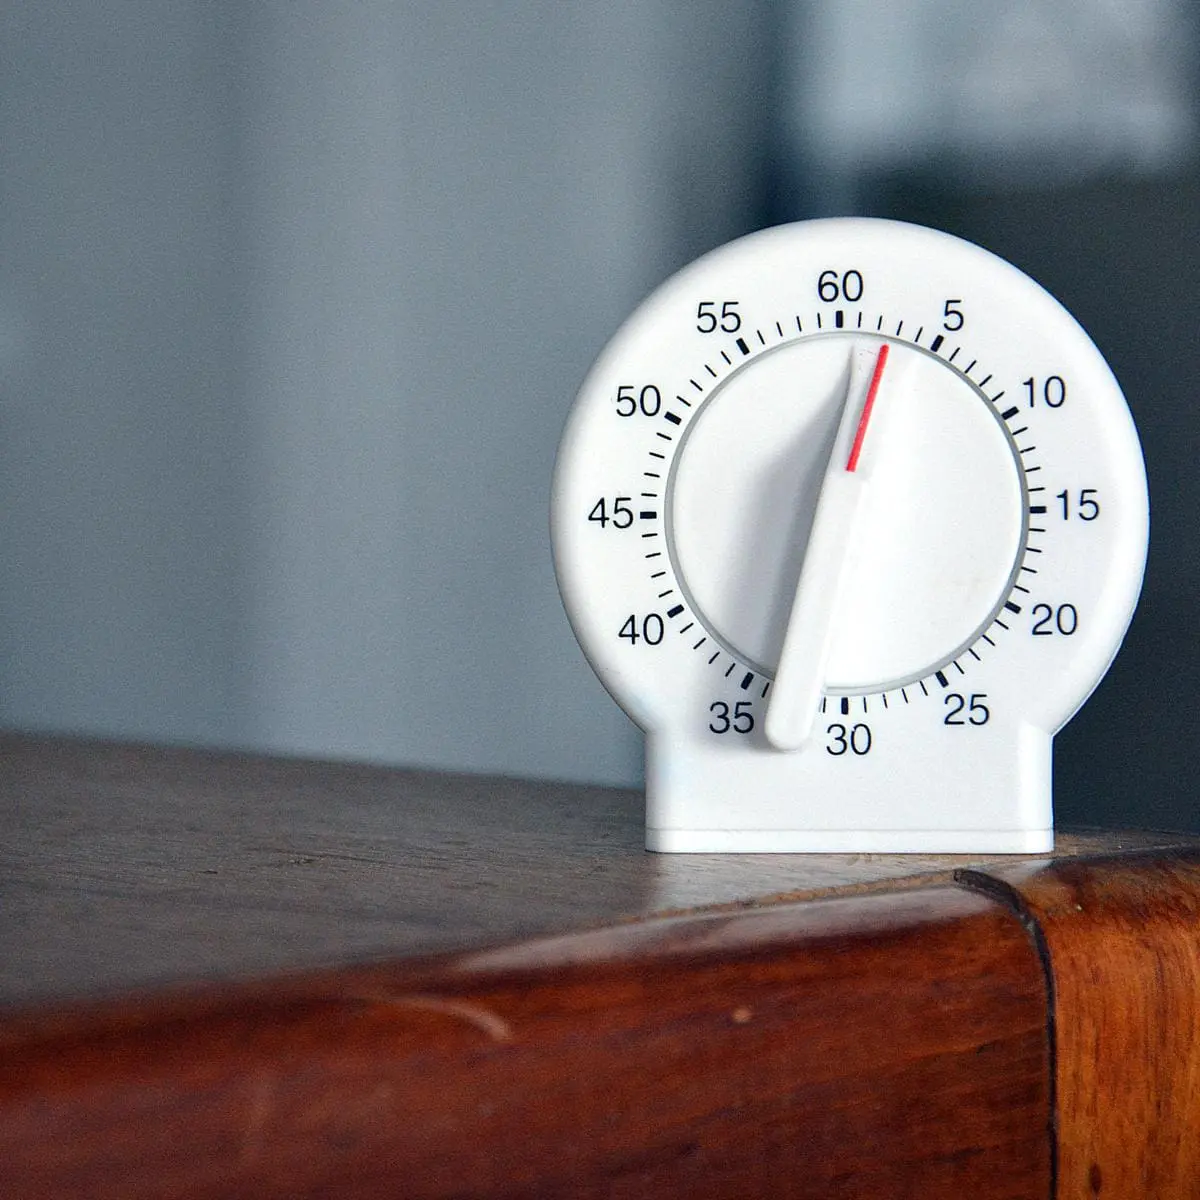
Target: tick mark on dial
(673,612)
(839,319)
(1014,608)
(940,676)
(747,680)
(741,345)
(674,418)
(648,516)
(936,344)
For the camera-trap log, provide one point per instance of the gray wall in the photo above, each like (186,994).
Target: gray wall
(293,300)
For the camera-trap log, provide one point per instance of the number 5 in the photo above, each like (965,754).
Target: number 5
(953,318)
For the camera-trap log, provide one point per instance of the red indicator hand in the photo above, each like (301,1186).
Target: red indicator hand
(861,432)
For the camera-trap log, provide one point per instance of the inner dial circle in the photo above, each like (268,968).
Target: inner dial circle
(937,542)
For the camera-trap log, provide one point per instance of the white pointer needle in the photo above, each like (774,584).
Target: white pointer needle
(800,676)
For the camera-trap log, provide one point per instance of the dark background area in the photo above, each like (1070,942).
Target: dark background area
(1123,255)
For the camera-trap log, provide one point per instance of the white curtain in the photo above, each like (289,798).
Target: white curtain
(998,94)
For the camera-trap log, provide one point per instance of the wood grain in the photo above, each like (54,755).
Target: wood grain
(133,866)
(879,1045)
(1121,943)
(541,1008)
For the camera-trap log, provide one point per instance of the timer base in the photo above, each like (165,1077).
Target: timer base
(984,793)
(850,841)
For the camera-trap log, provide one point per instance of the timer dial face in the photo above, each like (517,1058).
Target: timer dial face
(847,490)
(947,499)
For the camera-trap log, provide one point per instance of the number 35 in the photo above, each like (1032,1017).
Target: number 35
(742,720)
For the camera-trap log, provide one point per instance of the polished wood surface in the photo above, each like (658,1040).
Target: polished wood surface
(871,1046)
(232,976)
(128,866)
(1120,937)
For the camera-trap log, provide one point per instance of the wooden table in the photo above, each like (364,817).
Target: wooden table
(224,975)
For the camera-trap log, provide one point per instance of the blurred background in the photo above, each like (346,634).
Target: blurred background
(294,298)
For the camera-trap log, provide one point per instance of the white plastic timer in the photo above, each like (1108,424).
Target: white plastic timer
(850,517)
